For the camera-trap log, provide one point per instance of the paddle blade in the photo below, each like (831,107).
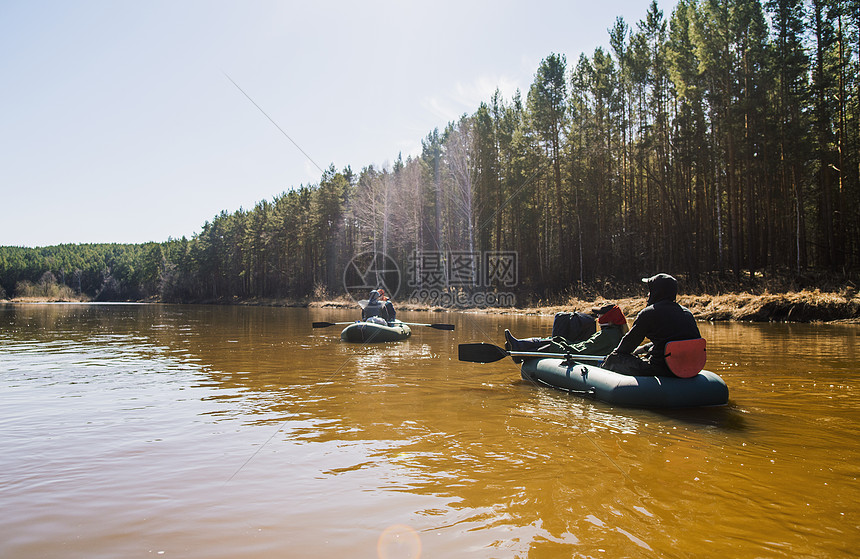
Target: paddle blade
(322,324)
(480,353)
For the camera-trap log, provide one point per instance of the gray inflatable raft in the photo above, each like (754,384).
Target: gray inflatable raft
(373,332)
(704,389)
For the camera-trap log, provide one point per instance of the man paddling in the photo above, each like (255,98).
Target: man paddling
(377,306)
(662,321)
(387,304)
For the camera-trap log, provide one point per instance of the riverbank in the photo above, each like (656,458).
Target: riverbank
(808,305)
(800,306)
(804,306)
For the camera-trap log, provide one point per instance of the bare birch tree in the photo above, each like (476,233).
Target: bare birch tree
(459,158)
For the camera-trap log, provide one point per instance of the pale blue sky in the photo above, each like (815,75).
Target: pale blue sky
(118,123)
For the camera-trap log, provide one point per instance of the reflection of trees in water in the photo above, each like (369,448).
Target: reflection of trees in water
(490,452)
(72,320)
(781,348)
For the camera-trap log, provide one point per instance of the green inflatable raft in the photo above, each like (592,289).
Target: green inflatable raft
(372,331)
(703,389)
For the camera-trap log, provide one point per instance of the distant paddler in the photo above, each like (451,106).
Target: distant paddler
(378,305)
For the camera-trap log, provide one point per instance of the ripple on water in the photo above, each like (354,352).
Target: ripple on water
(210,432)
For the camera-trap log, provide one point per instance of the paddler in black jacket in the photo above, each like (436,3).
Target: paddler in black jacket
(662,321)
(378,305)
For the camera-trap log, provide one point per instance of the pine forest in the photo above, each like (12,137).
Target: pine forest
(720,141)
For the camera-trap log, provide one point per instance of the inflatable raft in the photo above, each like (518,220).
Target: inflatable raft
(703,389)
(371,331)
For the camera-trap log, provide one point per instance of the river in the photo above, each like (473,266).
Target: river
(233,432)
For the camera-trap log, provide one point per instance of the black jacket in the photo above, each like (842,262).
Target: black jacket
(373,308)
(662,321)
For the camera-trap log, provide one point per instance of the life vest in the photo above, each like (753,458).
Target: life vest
(685,358)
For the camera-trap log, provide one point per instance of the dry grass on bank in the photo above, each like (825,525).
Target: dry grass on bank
(808,305)
(798,306)
(58,299)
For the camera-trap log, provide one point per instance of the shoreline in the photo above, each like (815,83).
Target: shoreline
(801,307)
(797,306)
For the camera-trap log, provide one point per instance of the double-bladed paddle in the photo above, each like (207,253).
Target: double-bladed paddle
(489,353)
(436,326)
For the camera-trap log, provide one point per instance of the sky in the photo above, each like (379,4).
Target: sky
(128,121)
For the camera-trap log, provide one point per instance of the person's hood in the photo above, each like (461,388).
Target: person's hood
(661,287)
(374,297)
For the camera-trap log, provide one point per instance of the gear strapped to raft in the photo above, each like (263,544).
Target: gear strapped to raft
(686,358)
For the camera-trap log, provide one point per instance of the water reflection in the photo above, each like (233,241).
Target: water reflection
(244,429)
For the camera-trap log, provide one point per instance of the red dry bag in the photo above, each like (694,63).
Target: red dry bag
(686,358)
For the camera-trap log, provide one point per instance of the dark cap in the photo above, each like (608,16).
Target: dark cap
(659,278)
(602,310)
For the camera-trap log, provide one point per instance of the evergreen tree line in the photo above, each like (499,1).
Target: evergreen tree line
(101,271)
(721,141)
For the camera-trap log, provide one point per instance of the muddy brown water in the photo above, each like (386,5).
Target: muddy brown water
(232,432)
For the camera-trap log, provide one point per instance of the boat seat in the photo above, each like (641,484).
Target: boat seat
(686,358)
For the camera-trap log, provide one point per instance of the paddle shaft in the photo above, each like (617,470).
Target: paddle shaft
(436,326)
(488,353)
(327,324)
(574,356)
